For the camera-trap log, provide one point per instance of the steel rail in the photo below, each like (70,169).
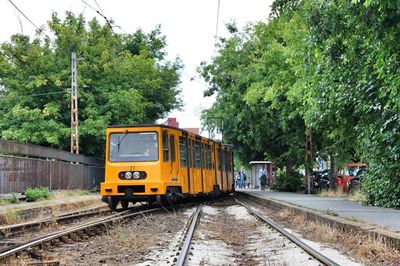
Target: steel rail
(61,233)
(319,256)
(8,230)
(188,237)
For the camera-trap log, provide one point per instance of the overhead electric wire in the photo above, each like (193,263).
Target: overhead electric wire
(97,4)
(100,13)
(38,94)
(216,28)
(30,21)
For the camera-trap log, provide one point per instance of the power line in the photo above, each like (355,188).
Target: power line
(97,4)
(216,28)
(26,17)
(100,13)
(40,94)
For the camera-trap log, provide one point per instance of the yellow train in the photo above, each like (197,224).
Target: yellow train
(157,163)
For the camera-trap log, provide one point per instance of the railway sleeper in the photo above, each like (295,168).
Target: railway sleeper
(44,263)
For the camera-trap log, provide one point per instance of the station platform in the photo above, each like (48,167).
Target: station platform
(383,217)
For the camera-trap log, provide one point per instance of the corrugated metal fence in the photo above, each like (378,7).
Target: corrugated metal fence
(46,167)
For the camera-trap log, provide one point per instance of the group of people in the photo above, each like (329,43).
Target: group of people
(241,178)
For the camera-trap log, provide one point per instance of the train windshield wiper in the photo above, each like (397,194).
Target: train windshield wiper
(120,140)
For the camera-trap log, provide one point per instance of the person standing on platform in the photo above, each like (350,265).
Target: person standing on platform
(237,179)
(262,176)
(242,177)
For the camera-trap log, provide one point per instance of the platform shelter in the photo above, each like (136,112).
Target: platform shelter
(255,168)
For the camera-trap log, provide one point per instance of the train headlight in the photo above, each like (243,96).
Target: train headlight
(136,175)
(128,175)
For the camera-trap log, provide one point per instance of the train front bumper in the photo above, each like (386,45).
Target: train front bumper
(133,189)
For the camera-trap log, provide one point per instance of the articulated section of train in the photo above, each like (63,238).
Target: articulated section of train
(158,163)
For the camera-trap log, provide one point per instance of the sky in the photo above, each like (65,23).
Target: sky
(189,27)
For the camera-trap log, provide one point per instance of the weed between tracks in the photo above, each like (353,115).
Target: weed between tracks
(368,250)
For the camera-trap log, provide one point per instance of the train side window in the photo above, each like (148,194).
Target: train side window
(203,156)
(209,161)
(183,151)
(165,147)
(197,155)
(172,147)
(191,153)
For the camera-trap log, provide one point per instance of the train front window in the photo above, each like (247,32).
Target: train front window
(133,147)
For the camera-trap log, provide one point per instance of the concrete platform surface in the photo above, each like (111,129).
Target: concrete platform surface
(385,217)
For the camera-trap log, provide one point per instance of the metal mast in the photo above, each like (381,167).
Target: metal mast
(74,106)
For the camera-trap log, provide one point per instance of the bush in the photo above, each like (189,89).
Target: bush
(33,194)
(14,198)
(289,182)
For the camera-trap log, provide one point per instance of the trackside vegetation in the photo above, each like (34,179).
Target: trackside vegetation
(325,68)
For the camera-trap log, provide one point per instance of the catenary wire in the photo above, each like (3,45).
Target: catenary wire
(30,21)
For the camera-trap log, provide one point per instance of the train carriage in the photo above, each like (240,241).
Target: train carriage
(156,163)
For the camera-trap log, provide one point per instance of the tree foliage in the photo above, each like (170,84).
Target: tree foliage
(329,65)
(122,79)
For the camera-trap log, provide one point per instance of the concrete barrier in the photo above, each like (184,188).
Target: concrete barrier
(385,236)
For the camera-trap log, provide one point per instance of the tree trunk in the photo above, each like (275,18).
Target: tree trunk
(289,168)
(332,173)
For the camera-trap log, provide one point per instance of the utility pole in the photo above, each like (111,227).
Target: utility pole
(74,106)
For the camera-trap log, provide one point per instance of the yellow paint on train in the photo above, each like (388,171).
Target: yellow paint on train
(158,162)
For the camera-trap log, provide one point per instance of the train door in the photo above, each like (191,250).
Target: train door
(184,173)
(166,172)
(229,169)
(221,168)
(199,185)
(174,169)
(208,167)
(192,171)
(203,168)
(214,164)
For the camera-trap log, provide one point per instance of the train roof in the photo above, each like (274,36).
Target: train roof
(169,127)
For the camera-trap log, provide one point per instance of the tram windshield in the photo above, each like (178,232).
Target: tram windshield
(133,147)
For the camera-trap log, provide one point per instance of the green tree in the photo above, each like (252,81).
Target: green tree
(255,77)
(123,79)
(355,86)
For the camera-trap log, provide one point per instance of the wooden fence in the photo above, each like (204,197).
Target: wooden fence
(46,167)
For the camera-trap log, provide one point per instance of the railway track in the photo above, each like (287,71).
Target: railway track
(187,237)
(69,235)
(8,231)
(314,253)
